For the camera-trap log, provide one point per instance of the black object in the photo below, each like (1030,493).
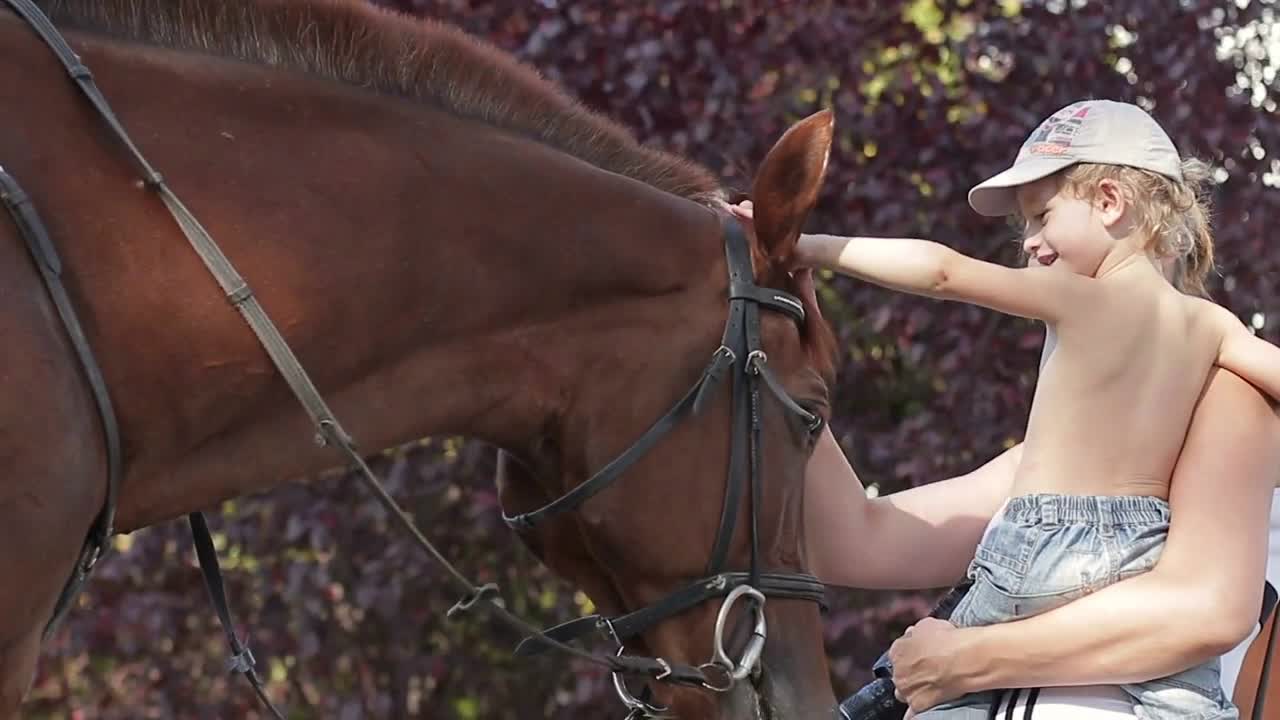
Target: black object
(876,701)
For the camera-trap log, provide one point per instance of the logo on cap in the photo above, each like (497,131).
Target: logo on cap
(1055,135)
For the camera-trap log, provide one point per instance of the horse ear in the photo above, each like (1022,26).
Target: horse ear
(786,186)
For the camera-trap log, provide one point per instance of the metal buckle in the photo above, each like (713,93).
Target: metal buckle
(639,708)
(241,662)
(712,667)
(91,558)
(468,601)
(607,625)
(755,646)
(756,359)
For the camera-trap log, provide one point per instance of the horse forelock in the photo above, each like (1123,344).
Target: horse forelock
(427,61)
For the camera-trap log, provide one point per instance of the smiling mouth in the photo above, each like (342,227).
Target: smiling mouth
(1047,260)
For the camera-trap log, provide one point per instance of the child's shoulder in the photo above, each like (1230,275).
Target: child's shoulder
(1205,307)
(1215,316)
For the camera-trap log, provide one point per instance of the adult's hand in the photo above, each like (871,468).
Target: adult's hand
(925,663)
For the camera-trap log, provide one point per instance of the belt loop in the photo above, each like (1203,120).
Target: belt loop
(1049,511)
(1109,514)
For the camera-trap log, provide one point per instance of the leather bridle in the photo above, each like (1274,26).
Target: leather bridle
(740,355)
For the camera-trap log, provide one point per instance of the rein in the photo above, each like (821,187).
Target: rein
(739,353)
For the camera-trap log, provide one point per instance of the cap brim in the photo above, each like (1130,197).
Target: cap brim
(997,196)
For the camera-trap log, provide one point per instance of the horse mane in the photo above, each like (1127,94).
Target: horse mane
(422,60)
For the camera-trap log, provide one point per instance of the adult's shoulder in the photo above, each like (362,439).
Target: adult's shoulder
(1226,392)
(1235,428)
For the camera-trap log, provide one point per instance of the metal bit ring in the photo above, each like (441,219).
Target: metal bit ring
(755,645)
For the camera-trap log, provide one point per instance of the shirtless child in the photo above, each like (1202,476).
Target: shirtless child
(1106,203)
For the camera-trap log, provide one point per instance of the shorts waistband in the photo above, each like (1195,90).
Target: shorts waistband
(1093,509)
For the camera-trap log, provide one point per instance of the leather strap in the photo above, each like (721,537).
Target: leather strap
(241,660)
(773,299)
(98,540)
(794,586)
(812,421)
(688,405)
(738,429)
(738,260)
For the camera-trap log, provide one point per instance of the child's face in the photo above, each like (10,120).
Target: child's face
(1061,229)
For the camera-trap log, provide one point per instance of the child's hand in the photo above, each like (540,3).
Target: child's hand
(800,257)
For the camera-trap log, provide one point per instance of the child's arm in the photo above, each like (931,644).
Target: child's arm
(922,267)
(1248,355)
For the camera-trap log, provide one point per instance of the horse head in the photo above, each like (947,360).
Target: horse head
(716,504)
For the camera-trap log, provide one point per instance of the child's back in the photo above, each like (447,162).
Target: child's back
(1117,387)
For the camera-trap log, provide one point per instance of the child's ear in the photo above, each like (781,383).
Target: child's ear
(1110,202)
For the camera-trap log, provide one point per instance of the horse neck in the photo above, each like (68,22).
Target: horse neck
(433,275)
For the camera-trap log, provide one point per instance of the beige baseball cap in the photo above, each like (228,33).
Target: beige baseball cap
(1090,131)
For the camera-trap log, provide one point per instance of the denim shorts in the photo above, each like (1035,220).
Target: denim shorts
(1043,551)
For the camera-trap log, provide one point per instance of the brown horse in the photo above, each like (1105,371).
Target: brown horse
(448,243)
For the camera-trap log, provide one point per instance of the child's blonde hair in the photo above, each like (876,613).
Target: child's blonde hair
(1173,215)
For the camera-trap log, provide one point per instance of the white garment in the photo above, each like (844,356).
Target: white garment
(1089,702)
(1232,661)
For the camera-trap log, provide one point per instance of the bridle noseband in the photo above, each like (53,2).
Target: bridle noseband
(740,354)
